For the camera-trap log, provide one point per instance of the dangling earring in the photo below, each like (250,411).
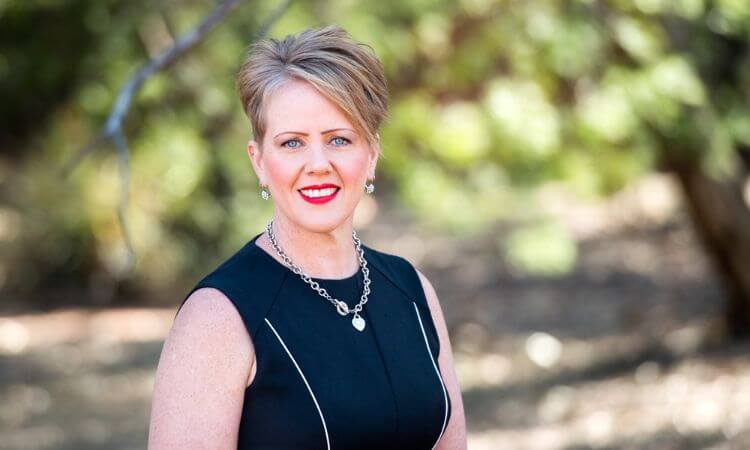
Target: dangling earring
(370,187)
(264,192)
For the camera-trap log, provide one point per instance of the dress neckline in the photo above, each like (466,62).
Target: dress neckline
(333,281)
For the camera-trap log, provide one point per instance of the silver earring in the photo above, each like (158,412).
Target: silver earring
(264,192)
(370,187)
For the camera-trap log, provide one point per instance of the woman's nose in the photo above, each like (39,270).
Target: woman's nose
(318,160)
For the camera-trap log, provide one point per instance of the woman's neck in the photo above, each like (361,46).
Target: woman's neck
(319,255)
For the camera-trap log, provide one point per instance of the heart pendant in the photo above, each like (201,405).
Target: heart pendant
(359,323)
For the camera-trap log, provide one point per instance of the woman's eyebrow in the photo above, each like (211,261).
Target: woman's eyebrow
(305,134)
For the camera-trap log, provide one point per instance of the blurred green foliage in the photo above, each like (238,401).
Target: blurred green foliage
(545,248)
(490,98)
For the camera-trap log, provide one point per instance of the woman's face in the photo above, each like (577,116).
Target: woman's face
(310,142)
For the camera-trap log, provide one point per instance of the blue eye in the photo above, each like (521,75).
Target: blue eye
(343,139)
(290,140)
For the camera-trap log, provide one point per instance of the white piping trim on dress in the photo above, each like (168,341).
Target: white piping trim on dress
(322,419)
(442,385)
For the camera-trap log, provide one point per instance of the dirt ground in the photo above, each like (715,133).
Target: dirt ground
(622,353)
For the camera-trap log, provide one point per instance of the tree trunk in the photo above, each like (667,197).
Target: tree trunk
(722,220)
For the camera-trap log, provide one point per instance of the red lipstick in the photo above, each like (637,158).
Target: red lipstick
(320,200)
(319,186)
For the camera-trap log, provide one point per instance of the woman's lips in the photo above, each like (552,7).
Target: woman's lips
(319,200)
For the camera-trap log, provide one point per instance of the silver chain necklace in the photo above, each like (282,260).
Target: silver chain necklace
(357,321)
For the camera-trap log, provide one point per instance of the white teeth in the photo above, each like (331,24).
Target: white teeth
(314,193)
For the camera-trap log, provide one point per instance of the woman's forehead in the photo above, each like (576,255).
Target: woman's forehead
(303,116)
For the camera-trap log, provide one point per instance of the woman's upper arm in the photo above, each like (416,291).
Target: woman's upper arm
(201,377)
(454,436)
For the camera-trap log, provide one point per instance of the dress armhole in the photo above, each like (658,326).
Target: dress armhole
(228,295)
(403,276)
(253,304)
(419,297)
(185,298)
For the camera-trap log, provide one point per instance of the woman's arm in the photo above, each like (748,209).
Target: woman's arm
(454,437)
(201,376)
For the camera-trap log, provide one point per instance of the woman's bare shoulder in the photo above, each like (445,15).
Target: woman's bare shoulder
(201,375)
(211,321)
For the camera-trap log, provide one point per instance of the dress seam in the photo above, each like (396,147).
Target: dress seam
(304,379)
(437,372)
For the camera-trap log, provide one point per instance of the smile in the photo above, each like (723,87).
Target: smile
(318,196)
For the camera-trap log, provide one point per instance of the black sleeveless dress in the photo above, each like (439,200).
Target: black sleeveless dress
(322,384)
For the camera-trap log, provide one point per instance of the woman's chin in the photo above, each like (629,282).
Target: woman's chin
(321,223)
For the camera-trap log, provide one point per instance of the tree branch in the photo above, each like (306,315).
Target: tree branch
(113,128)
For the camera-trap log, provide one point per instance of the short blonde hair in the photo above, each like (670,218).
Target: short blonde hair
(347,72)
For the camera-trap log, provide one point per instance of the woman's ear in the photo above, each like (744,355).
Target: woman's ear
(255,153)
(374,155)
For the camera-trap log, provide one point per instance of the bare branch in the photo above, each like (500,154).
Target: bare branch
(134,83)
(113,128)
(121,146)
(90,147)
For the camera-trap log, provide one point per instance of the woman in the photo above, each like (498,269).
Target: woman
(305,338)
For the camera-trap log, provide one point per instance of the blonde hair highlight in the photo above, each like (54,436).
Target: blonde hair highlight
(345,71)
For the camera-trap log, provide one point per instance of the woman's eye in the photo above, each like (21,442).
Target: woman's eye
(342,139)
(290,140)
